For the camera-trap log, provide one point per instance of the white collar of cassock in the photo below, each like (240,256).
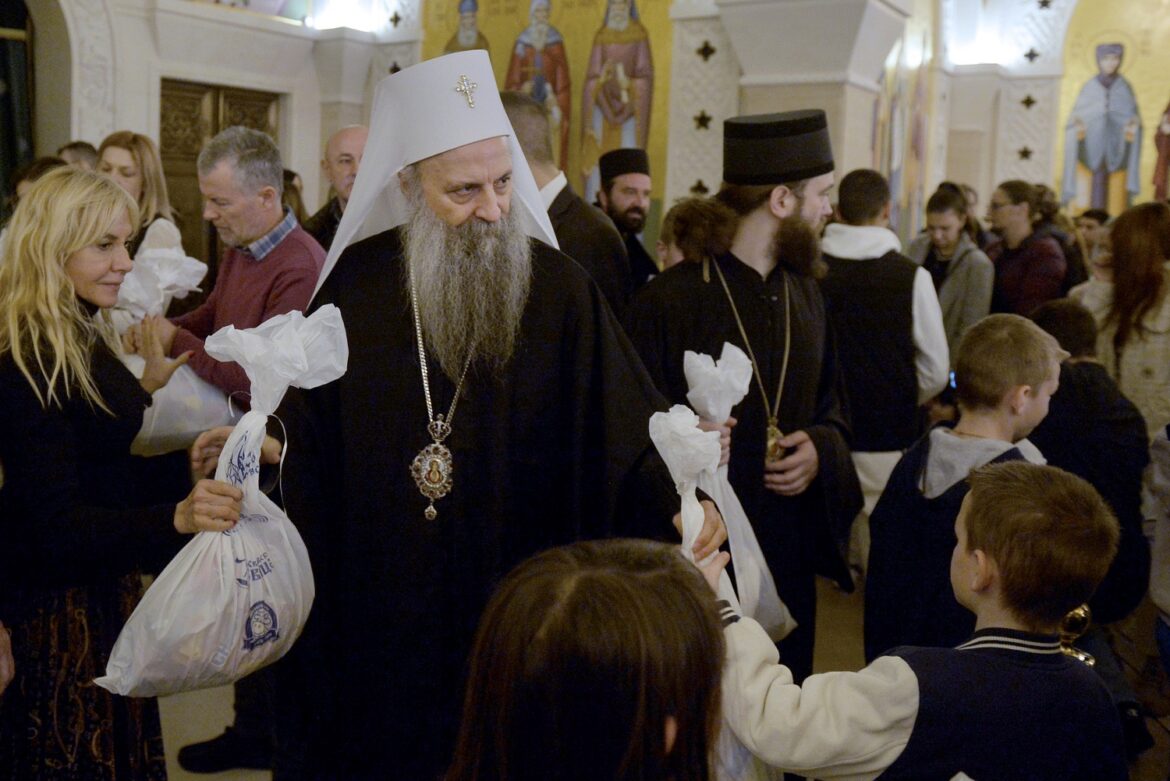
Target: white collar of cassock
(424,110)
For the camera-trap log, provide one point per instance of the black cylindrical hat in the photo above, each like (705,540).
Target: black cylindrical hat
(776,148)
(616,162)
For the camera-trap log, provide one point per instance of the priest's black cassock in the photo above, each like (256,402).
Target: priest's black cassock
(555,450)
(679,310)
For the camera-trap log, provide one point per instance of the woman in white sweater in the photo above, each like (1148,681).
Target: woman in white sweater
(1133,310)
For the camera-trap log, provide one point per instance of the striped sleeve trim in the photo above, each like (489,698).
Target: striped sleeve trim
(727,614)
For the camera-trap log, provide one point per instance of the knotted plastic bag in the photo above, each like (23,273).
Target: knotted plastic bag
(715,388)
(232,602)
(187,405)
(159,275)
(689,453)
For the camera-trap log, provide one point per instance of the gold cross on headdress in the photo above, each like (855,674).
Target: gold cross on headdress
(467,88)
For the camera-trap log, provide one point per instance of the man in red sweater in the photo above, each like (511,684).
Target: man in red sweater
(270,267)
(271,264)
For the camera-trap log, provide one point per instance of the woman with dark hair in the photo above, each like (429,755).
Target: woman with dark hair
(595,661)
(695,229)
(1029,267)
(962,274)
(292,197)
(1133,312)
(1052,221)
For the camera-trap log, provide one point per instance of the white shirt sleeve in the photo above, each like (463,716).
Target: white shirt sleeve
(932,361)
(836,726)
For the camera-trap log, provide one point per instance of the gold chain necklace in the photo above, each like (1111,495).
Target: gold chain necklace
(773,452)
(433,469)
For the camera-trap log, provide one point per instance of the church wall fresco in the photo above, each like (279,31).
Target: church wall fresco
(1114,136)
(902,141)
(601,67)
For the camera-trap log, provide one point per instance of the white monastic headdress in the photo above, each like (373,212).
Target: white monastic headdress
(419,112)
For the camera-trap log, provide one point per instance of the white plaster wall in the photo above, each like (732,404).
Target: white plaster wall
(100,65)
(988,98)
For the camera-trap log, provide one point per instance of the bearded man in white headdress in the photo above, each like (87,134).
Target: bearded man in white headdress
(492,408)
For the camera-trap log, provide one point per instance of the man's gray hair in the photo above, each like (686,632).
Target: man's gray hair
(253,156)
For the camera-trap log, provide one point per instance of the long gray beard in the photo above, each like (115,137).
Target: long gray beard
(472,283)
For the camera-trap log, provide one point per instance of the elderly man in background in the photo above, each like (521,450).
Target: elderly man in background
(343,158)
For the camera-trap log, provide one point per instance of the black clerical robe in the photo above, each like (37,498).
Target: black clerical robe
(589,237)
(555,450)
(679,311)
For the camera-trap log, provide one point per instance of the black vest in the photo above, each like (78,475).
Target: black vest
(871,307)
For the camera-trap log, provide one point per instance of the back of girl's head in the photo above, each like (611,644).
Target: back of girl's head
(154,201)
(582,655)
(41,321)
(701,228)
(1140,241)
(1047,204)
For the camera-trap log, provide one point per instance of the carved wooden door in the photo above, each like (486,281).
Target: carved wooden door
(191,114)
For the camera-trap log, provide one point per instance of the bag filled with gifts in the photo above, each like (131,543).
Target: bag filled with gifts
(232,602)
(689,453)
(715,388)
(187,405)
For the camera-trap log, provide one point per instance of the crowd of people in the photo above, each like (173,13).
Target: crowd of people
(961,424)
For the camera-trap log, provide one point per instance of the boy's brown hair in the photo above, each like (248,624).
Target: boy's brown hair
(1049,532)
(999,353)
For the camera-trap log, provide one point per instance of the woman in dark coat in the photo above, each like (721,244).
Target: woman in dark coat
(80,518)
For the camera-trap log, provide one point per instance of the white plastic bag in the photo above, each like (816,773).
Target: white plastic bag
(179,411)
(229,603)
(715,388)
(159,275)
(187,405)
(690,452)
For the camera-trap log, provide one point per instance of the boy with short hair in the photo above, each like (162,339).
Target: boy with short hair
(1032,543)
(1006,370)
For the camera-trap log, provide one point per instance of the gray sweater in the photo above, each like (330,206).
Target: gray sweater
(965,295)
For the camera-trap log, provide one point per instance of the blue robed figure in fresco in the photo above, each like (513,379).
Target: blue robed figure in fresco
(1102,139)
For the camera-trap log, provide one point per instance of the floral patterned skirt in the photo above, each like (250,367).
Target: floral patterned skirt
(55,723)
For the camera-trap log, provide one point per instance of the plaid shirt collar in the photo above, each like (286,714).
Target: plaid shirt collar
(260,248)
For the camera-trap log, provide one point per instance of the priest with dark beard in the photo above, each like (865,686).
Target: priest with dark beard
(789,463)
(492,408)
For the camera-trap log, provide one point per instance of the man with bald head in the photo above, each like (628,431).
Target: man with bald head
(343,158)
(491,408)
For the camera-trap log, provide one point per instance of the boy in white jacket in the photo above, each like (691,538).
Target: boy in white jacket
(1033,543)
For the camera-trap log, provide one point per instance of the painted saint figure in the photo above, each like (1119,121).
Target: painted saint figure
(467,36)
(1162,167)
(540,68)
(619,84)
(1102,139)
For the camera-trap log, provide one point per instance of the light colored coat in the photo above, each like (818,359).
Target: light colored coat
(1142,370)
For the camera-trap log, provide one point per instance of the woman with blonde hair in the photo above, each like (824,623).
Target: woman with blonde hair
(132,160)
(80,518)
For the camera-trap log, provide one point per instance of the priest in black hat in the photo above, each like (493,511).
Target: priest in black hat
(625,197)
(790,463)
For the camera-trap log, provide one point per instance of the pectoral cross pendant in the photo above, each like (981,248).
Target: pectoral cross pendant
(774,451)
(433,468)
